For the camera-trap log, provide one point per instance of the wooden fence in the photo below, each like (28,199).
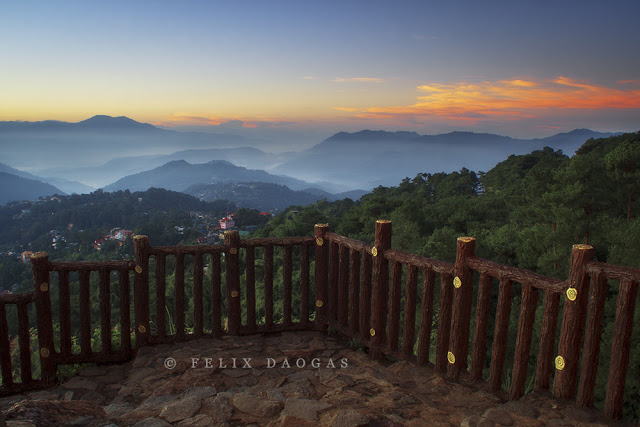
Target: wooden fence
(357,290)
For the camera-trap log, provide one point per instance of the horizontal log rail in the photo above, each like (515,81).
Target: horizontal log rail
(26,297)
(440,267)
(187,250)
(347,242)
(501,271)
(396,304)
(283,241)
(90,265)
(613,272)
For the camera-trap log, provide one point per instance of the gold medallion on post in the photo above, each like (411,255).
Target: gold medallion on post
(451,358)
(559,363)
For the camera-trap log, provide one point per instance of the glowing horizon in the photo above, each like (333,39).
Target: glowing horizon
(413,66)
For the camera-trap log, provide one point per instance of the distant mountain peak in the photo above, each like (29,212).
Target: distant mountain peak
(104,122)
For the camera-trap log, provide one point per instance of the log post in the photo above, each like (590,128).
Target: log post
(354,291)
(268,286)
(141,289)
(321,275)
(394,309)
(40,269)
(125,312)
(591,353)
(304,285)
(444,322)
(620,348)
(161,289)
(564,384)
(179,317)
(523,341)
(461,314)
(503,311)
(5,346)
(198,303)
(250,280)
(480,332)
(426,316)
(408,337)
(343,287)
(105,310)
(84,300)
(380,288)
(65,313)
(216,294)
(544,365)
(332,285)
(287,284)
(232,264)
(365,297)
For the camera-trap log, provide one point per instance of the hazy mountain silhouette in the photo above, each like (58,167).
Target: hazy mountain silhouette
(49,145)
(178,175)
(368,158)
(103,149)
(68,187)
(102,123)
(14,187)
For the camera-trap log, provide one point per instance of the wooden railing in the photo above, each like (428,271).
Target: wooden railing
(357,290)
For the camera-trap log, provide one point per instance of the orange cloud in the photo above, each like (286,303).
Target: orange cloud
(506,99)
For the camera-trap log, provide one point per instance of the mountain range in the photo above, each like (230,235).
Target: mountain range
(120,153)
(367,159)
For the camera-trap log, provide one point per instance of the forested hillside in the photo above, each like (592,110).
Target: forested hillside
(527,211)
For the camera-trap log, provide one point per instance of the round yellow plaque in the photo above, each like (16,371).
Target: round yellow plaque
(142,329)
(372,332)
(374,251)
(319,303)
(138,269)
(451,358)
(457,282)
(234,294)
(233,251)
(44,352)
(559,363)
(319,241)
(44,287)
(572,294)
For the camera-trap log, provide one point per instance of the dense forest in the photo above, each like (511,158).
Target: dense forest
(526,212)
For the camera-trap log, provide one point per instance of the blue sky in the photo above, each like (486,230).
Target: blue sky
(518,68)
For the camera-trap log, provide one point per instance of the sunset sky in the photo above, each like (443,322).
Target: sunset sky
(516,68)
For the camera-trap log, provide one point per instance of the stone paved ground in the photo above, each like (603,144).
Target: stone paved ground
(269,389)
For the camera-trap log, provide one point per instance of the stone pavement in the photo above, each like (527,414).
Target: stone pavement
(286,379)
